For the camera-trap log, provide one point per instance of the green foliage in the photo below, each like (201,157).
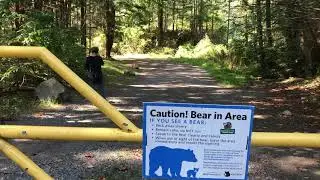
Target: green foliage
(132,40)
(99,40)
(48,103)
(18,73)
(13,106)
(113,71)
(39,29)
(216,59)
(219,71)
(163,51)
(185,51)
(204,49)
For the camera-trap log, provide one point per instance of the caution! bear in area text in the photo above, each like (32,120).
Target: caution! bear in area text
(196,141)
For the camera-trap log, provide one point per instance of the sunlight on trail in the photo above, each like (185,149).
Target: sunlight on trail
(182,85)
(293,164)
(96,157)
(261,117)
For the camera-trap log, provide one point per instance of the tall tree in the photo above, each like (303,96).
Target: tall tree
(83,22)
(173,14)
(160,22)
(229,16)
(268,23)
(261,52)
(111,25)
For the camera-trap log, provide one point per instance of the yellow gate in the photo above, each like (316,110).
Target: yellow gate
(127,131)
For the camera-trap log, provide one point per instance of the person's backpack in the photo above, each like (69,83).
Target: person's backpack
(92,75)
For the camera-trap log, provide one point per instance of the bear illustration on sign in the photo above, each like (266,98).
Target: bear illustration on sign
(192,172)
(169,158)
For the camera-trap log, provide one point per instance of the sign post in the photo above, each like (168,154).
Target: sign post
(183,141)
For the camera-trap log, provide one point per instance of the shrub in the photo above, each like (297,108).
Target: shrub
(204,49)
(132,40)
(39,29)
(163,51)
(185,51)
(14,105)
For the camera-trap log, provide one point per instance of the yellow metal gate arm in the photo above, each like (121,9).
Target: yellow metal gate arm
(74,80)
(311,140)
(23,161)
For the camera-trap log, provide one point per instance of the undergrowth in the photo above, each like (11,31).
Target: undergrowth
(13,105)
(219,71)
(115,72)
(217,60)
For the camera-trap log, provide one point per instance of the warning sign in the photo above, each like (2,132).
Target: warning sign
(196,141)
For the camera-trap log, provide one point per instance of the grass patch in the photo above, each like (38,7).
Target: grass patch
(162,51)
(220,72)
(313,84)
(48,104)
(114,71)
(13,105)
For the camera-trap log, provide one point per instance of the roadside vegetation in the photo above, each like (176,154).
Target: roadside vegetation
(217,60)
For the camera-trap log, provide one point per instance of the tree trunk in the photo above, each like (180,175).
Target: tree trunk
(200,17)
(165,18)
(173,14)
(89,21)
(83,24)
(68,14)
(38,4)
(212,24)
(246,31)
(293,40)
(111,24)
(194,23)
(229,12)
(160,23)
(182,15)
(268,23)
(17,20)
(149,18)
(261,54)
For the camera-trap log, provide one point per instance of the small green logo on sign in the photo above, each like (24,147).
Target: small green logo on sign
(227,129)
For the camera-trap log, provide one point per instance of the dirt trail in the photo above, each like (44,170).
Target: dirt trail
(164,81)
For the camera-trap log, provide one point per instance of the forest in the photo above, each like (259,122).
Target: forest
(258,38)
(278,37)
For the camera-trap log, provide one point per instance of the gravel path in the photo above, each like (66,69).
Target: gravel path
(163,81)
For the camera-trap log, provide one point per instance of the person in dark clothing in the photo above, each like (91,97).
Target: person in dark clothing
(93,66)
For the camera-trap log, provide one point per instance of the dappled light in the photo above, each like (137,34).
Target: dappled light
(293,164)
(101,157)
(262,117)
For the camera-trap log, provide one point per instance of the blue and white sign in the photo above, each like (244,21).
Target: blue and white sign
(196,141)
